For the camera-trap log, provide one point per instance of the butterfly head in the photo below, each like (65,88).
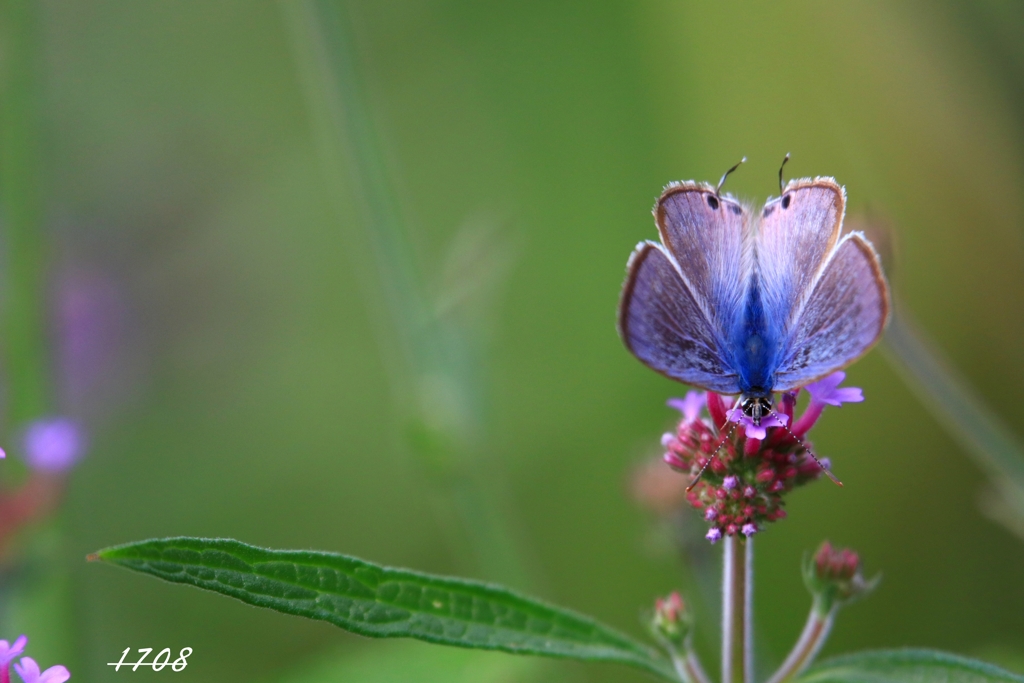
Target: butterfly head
(756,406)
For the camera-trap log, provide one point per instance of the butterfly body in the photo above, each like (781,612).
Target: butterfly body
(757,343)
(746,303)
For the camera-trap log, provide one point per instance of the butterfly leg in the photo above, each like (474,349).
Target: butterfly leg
(824,469)
(721,443)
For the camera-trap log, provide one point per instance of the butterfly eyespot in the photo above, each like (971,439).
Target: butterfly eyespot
(713,202)
(785,201)
(736,209)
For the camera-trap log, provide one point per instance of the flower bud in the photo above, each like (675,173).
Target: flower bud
(834,577)
(672,622)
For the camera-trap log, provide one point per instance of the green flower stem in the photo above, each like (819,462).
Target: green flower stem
(21,198)
(737,610)
(748,613)
(815,633)
(687,664)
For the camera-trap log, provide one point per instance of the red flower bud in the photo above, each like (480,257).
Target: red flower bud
(833,574)
(671,619)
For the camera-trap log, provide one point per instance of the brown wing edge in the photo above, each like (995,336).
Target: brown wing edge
(818,181)
(865,246)
(678,186)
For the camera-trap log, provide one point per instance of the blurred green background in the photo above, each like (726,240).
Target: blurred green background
(261,389)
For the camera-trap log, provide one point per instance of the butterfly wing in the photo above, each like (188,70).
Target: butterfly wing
(705,234)
(826,298)
(679,299)
(663,324)
(797,233)
(842,318)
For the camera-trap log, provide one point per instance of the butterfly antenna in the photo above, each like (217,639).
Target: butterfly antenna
(804,443)
(721,443)
(726,175)
(784,160)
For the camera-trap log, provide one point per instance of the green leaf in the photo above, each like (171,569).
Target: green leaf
(906,666)
(383,602)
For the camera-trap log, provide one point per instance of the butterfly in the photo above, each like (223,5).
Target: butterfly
(745,303)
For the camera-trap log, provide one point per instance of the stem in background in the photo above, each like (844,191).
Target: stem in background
(737,608)
(21,198)
(815,633)
(421,349)
(962,412)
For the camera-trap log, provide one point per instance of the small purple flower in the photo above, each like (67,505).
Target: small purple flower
(29,672)
(749,530)
(53,444)
(9,652)
(730,482)
(754,431)
(749,492)
(710,514)
(690,406)
(826,392)
(714,534)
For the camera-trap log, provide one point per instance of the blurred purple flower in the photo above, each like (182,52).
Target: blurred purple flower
(8,651)
(29,672)
(690,406)
(90,330)
(53,444)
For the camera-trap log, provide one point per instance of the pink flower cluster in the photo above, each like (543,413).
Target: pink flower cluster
(744,485)
(26,667)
